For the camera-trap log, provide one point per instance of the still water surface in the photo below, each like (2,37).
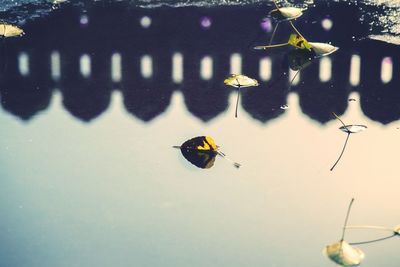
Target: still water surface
(89,176)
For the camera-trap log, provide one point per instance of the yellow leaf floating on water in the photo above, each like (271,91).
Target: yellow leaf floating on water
(239,81)
(344,254)
(200,143)
(8,30)
(299,42)
(201,152)
(208,144)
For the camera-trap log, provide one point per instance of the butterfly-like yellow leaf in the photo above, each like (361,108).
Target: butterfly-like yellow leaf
(299,42)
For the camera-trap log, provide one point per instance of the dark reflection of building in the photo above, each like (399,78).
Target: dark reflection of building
(146,98)
(379,101)
(205,98)
(106,28)
(85,98)
(319,99)
(23,95)
(263,102)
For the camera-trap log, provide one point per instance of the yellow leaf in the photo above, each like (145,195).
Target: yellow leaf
(299,42)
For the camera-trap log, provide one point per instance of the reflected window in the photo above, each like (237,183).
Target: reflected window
(85,65)
(116,72)
(386,69)
(84,20)
(23,64)
(146,66)
(206,68)
(177,67)
(327,24)
(265,68)
(236,64)
(355,65)
(325,69)
(205,22)
(55,65)
(145,22)
(292,73)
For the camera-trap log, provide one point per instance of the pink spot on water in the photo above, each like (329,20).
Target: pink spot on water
(266,25)
(205,22)
(388,60)
(84,20)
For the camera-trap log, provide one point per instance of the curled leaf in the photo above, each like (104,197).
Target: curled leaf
(354,128)
(286,13)
(323,49)
(291,12)
(8,30)
(344,254)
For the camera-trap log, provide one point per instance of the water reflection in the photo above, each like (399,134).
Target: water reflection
(148,60)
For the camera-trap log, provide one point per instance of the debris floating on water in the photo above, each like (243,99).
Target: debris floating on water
(284,107)
(342,252)
(8,30)
(201,152)
(240,81)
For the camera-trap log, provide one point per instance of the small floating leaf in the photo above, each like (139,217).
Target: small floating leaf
(8,30)
(286,13)
(354,128)
(323,49)
(299,41)
(239,81)
(349,129)
(284,107)
(291,12)
(341,252)
(344,254)
(201,152)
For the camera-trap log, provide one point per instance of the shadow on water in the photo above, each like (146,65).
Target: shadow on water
(114,46)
